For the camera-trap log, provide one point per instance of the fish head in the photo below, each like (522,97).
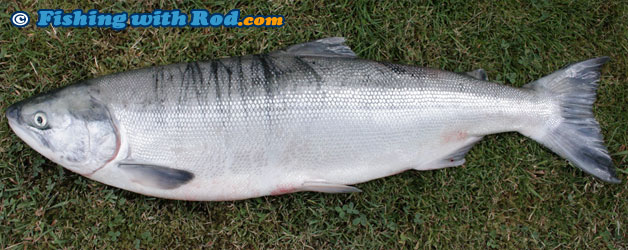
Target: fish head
(69,126)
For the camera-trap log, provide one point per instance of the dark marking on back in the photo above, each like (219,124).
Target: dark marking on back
(198,80)
(156,82)
(226,67)
(243,87)
(161,85)
(157,176)
(269,74)
(269,79)
(191,77)
(229,73)
(303,65)
(183,87)
(214,70)
(396,68)
(420,73)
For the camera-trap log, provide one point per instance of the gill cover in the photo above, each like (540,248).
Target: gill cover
(68,126)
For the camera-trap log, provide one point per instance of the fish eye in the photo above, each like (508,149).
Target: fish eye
(40,120)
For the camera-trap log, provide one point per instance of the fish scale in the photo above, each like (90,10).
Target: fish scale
(349,120)
(311,117)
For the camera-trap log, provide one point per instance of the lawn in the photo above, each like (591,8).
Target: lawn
(511,193)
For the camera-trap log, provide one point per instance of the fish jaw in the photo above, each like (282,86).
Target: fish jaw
(30,139)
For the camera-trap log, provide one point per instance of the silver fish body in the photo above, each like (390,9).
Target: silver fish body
(312,117)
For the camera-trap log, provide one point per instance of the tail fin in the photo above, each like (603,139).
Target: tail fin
(576,134)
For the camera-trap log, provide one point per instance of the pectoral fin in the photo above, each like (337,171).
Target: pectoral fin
(325,187)
(156,176)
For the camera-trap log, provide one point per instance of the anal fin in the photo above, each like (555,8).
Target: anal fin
(325,187)
(457,157)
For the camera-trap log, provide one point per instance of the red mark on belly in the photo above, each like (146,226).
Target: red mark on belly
(283,189)
(454,136)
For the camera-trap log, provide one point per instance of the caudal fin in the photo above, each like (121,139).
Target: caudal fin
(575,135)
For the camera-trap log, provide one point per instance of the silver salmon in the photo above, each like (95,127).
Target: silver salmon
(311,117)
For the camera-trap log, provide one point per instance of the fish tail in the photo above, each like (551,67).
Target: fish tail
(575,135)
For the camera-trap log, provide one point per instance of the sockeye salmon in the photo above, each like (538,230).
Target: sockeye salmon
(311,117)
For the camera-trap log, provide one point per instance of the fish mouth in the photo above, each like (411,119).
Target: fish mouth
(13,113)
(13,117)
(35,143)
(26,136)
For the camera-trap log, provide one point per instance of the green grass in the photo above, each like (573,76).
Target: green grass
(511,192)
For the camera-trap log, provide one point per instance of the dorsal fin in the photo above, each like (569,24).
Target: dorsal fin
(479,74)
(326,47)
